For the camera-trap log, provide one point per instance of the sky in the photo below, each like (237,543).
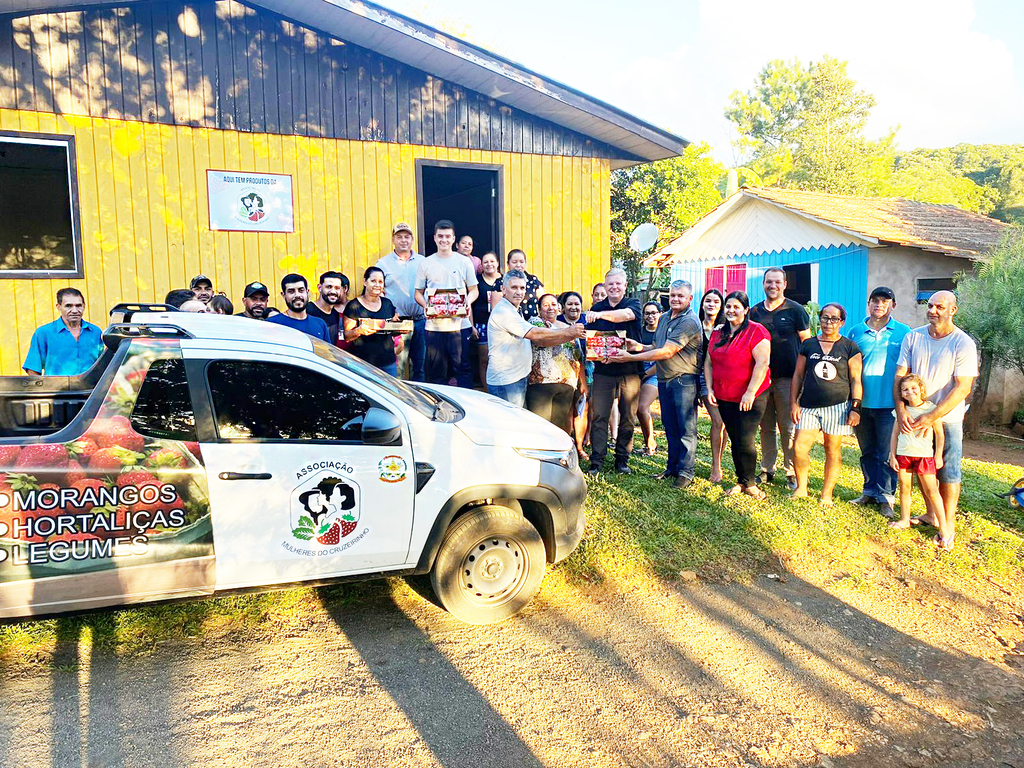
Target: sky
(942,71)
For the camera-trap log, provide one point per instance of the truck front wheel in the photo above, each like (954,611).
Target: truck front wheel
(489,566)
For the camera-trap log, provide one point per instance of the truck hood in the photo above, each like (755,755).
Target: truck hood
(492,421)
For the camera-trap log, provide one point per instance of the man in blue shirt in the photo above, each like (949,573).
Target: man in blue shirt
(68,346)
(879,338)
(295,292)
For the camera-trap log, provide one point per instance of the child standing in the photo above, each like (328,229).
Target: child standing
(919,453)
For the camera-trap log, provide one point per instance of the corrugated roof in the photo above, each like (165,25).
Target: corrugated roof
(421,46)
(882,220)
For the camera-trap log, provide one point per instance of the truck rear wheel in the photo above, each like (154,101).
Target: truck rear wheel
(489,566)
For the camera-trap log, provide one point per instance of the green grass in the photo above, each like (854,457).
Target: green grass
(638,529)
(638,526)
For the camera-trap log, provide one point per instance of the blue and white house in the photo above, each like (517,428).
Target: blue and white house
(838,248)
(833,247)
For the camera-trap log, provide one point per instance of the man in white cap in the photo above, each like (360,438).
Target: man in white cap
(400,267)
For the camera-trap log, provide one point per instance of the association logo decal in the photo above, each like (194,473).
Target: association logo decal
(250,207)
(325,512)
(393,469)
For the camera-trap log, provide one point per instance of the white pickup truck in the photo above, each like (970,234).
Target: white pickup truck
(205,455)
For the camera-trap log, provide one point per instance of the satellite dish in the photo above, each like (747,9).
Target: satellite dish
(643,238)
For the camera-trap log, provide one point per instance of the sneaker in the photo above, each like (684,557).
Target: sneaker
(764,477)
(865,501)
(885,510)
(593,471)
(623,469)
(663,476)
(791,482)
(683,482)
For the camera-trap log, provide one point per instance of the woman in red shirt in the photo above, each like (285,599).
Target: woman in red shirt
(736,369)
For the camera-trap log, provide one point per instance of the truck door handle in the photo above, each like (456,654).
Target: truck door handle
(244,475)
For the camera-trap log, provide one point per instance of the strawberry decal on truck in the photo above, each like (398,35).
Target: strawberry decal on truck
(325,511)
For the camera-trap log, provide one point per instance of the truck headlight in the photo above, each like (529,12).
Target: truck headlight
(567,459)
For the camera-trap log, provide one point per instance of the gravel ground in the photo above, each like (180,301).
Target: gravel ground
(779,672)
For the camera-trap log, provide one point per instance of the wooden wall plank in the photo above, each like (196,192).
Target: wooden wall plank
(328,67)
(163,70)
(297,74)
(21,55)
(60,73)
(144,62)
(8,76)
(178,70)
(42,79)
(286,109)
(310,48)
(210,67)
(240,50)
(378,97)
(130,80)
(403,106)
(255,72)
(269,40)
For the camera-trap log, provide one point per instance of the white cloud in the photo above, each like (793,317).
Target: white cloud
(931,74)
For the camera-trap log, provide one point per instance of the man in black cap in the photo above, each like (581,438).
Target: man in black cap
(202,287)
(879,338)
(255,297)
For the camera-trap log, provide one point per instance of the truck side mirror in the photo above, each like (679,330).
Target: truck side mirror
(381,427)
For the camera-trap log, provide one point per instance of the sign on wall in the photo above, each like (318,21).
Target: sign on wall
(250,202)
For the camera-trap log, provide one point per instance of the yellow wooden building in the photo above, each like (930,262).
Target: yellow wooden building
(112,115)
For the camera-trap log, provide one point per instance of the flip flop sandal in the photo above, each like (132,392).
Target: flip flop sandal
(916,521)
(757,493)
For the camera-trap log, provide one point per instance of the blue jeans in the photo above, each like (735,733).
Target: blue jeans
(952,453)
(514,393)
(874,434)
(416,351)
(391,368)
(678,398)
(448,357)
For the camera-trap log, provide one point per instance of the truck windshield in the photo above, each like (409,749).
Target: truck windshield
(423,401)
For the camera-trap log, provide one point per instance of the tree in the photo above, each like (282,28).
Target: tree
(672,194)
(803,125)
(991,302)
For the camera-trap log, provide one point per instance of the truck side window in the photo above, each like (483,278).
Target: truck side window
(273,401)
(164,407)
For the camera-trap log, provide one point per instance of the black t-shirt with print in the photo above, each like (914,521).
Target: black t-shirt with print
(784,323)
(827,375)
(632,329)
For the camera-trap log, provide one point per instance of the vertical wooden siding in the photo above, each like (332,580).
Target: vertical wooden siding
(143,205)
(225,64)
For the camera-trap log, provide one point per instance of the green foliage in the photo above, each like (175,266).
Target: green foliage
(672,194)
(813,312)
(992,302)
(803,125)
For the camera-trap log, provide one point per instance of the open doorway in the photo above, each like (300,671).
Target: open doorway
(469,194)
(798,283)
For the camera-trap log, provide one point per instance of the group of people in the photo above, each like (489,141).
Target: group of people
(758,371)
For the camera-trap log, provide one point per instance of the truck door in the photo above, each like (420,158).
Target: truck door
(297,492)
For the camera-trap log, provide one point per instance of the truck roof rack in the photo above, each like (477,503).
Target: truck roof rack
(118,332)
(122,313)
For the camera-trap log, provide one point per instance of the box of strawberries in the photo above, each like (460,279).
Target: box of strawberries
(447,302)
(604,344)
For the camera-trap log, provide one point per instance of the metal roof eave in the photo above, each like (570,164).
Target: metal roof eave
(421,46)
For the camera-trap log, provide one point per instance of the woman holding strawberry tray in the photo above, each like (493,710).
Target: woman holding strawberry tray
(369,343)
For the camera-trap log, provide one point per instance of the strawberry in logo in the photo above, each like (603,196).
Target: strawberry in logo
(348,524)
(330,534)
(42,456)
(136,477)
(169,465)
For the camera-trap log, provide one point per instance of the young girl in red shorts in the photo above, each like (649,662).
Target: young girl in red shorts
(919,453)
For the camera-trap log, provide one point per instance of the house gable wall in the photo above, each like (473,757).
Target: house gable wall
(224,64)
(899,268)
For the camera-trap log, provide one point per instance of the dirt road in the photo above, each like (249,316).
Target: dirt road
(774,673)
